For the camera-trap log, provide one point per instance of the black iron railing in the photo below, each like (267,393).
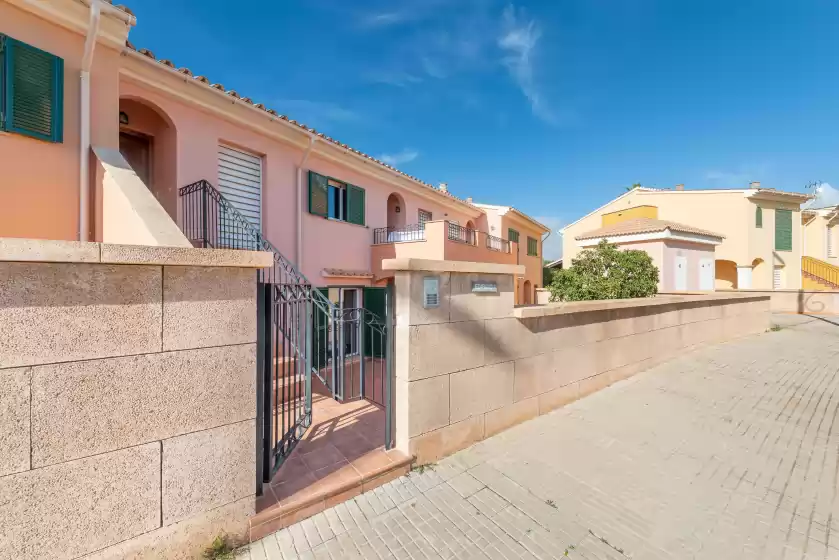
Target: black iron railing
(462,234)
(497,244)
(301,332)
(412,232)
(209,220)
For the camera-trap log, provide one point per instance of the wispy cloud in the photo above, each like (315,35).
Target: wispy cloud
(316,112)
(399,158)
(383,19)
(395,79)
(741,176)
(519,39)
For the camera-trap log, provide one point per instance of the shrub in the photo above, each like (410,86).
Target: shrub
(606,272)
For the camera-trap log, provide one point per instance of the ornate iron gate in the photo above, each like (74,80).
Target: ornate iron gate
(300,333)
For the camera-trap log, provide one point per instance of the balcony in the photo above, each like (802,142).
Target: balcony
(439,240)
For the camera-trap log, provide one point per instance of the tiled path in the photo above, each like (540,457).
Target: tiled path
(728,452)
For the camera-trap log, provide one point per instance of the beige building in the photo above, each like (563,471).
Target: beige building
(820,265)
(761,229)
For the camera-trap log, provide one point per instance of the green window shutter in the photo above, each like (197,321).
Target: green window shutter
(783,230)
(318,194)
(532,247)
(33,102)
(355,205)
(512,235)
(759,217)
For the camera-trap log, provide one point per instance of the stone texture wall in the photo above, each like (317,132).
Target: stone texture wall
(808,302)
(127,408)
(471,367)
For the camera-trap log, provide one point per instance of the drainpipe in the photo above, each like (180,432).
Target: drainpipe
(84,110)
(543,256)
(312,140)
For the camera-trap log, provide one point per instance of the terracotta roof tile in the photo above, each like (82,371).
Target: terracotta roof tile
(232,93)
(643,225)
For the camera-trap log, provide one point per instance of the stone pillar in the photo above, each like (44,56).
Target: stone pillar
(744,277)
(433,342)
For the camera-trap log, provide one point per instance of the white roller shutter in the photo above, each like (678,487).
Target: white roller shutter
(240,181)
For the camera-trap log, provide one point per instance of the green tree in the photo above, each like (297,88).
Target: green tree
(547,273)
(606,272)
(634,186)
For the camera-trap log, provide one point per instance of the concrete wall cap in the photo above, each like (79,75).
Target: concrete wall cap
(533,311)
(53,251)
(427,265)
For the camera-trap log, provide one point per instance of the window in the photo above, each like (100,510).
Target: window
(777,278)
(31,91)
(532,247)
(512,235)
(424,216)
(830,252)
(330,198)
(783,230)
(337,201)
(759,217)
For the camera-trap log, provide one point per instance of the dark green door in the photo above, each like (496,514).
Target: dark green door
(320,334)
(375,301)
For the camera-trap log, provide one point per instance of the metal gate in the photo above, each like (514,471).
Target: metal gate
(301,336)
(300,333)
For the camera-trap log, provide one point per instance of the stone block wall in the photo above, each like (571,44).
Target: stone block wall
(127,405)
(475,365)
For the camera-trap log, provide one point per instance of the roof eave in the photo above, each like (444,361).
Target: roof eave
(294,128)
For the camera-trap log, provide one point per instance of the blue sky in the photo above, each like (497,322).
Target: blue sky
(552,106)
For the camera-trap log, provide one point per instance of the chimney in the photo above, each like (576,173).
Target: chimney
(444,187)
(469,199)
(680,187)
(754,185)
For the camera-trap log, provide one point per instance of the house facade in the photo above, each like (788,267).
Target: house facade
(762,236)
(108,161)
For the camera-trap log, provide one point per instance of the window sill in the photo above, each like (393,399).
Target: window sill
(337,221)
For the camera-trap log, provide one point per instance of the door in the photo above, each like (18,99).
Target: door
(681,274)
(706,274)
(136,149)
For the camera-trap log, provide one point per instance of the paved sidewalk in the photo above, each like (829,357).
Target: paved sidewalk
(727,452)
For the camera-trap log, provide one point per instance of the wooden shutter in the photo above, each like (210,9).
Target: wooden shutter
(512,235)
(532,247)
(33,97)
(783,230)
(355,205)
(240,181)
(759,217)
(318,194)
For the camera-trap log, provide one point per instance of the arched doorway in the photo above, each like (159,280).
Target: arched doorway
(726,275)
(471,234)
(528,293)
(148,142)
(395,211)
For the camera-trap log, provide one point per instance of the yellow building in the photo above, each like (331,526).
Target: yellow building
(762,229)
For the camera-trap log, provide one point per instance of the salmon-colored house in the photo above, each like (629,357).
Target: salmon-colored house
(99,139)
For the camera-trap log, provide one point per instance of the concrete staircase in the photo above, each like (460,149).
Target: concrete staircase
(818,275)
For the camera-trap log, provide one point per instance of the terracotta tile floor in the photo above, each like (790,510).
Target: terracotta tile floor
(340,456)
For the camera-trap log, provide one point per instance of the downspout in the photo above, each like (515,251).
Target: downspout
(542,252)
(84,133)
(299,251)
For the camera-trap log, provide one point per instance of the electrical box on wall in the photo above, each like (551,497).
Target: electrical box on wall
(431,291)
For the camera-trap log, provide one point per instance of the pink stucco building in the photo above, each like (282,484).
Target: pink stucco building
(144,125)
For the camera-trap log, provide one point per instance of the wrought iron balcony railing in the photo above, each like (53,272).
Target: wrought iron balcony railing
(411,232)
